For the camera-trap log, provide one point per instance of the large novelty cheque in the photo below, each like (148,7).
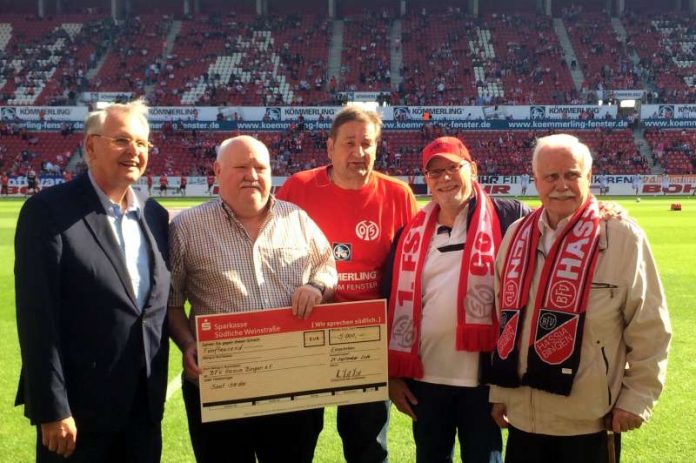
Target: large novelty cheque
(266,362)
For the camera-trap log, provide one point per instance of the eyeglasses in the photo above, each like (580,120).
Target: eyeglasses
(450,170)
(122,143)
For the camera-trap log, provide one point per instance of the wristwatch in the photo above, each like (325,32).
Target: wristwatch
(319,286)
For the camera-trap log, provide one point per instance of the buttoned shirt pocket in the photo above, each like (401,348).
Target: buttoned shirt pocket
(290,266)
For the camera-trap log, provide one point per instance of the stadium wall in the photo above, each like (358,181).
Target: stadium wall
(496,185)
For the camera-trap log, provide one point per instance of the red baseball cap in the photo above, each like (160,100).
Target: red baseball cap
(450,148)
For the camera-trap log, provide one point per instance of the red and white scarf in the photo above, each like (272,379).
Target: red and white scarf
(560,305)
(476,322)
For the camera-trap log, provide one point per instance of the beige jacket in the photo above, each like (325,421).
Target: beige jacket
(624,347)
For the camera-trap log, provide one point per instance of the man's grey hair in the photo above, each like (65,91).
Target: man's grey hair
(578,149)
(94,122)
(95,119)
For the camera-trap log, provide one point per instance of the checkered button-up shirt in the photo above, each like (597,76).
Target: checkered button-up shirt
(219,269)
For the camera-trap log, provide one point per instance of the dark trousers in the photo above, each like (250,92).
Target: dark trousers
(138,441)
(524,447)
(442,412)
(363,430)
(286,437)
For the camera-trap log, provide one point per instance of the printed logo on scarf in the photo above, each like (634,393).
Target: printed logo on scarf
(555,337)
(509,319)
(510,293)
(563,294)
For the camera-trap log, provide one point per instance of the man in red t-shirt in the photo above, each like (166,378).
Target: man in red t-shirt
(359,210)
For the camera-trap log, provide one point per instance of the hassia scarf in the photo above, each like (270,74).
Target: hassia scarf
(560,305)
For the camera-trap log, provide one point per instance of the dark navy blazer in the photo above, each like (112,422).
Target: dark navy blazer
(86,347)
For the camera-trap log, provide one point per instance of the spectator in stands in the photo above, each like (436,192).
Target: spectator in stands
(360,210)
(597,361)
(439,380)
(244,219)
(91,286)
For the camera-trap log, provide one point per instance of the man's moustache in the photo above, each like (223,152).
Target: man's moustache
(561,195)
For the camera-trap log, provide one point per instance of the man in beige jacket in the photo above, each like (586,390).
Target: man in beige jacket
(584,327)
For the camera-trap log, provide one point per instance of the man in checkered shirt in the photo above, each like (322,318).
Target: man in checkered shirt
(246,251)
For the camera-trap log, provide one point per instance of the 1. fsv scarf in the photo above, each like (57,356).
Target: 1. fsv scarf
(476,322)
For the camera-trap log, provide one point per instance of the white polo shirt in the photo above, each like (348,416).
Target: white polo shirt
(442,363)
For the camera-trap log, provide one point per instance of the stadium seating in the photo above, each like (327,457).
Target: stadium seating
(665,43)
(449,57)
(529,60)
(46,58)
(453,58)
(365,60)
(245,60)
(602,56)
(496,152)
(437,64)
(28,150)
(675,150)
(137,46)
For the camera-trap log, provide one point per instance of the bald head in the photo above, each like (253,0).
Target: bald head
(240,144)
(243,172)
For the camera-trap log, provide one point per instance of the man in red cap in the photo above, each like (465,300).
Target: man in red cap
(441,308)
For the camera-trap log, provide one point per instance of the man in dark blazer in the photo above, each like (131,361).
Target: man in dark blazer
(92,282)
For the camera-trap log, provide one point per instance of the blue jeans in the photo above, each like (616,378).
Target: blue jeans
(442,412)
(363,429)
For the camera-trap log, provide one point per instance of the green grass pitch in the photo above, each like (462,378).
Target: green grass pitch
(666,438)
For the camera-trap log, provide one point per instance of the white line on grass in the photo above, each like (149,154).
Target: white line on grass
(173,386)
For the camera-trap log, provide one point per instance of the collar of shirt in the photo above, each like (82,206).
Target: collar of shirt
(230,213)
(445,237)
(112,209)
(548,234)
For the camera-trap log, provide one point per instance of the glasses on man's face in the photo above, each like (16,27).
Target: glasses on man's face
(122,143)
(449,170)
